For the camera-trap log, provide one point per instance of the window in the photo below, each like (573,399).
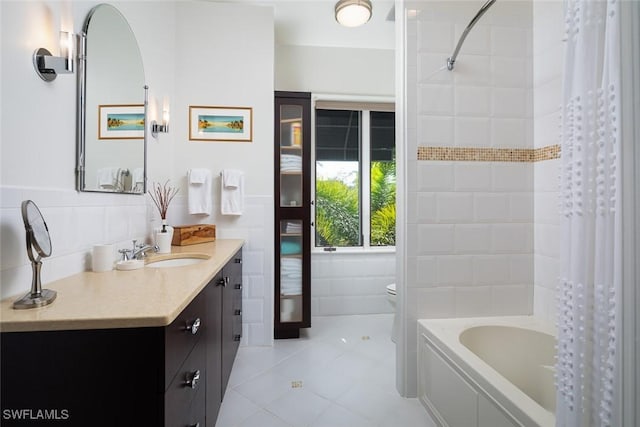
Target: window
(355,175)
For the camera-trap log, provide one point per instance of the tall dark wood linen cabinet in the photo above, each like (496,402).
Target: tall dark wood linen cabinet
(292,213)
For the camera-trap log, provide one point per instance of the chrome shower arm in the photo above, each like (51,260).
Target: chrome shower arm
(452,59)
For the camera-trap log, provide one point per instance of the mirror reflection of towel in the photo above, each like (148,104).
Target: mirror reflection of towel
(108,177)
(231,192)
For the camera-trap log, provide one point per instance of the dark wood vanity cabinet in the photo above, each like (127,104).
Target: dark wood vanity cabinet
(157,376)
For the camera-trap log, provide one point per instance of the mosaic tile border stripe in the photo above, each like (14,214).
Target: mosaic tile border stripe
(460,154)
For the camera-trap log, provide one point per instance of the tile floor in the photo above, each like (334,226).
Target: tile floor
(341,373)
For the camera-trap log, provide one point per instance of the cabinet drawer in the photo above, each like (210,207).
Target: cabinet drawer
(184,399)
(182,334)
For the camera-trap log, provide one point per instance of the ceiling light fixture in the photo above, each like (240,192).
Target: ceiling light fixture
(353,13)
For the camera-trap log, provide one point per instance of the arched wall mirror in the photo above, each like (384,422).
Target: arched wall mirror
(112,100)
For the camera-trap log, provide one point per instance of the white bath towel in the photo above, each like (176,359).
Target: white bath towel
(199,191)
(108,177)
(231,192)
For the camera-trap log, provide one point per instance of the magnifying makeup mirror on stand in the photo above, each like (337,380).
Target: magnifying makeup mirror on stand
(38,239)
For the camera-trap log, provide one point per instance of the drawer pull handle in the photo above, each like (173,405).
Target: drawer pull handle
(238,312)
(193,381)
(237,337)
(238,260)
(193,328)
(238,286)
(223,281)
(194,425)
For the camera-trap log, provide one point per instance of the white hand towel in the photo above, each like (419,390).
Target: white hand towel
(199,191)
(232,192)
(199,176)
(231,178)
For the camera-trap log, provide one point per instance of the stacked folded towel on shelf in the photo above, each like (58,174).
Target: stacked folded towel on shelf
(291,276)
(290,163)
(290,248)
(293,227)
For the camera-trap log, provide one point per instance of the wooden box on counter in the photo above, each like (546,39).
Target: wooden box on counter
(184,235)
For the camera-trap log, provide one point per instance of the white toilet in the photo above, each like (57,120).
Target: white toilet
(391,297)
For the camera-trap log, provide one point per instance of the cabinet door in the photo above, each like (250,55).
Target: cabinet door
(213,296)
(292,213)
(231,315)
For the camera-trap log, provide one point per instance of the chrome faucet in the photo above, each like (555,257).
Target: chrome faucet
(139,251)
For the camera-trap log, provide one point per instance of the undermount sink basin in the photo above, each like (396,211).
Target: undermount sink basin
(176,260)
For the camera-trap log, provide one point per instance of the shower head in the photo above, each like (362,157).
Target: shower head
(452,59)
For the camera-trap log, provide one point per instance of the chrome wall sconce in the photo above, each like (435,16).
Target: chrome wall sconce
(353,13)
(157,128)
(48,66)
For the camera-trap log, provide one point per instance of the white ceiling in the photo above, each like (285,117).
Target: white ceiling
(312,23)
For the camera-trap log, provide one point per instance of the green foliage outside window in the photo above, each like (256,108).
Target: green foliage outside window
(337,209)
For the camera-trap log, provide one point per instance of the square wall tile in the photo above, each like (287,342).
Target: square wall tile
(435,99)
(491,207)
(509,72)
(455,207)
(433,303)
(509,42)
(436,131)
(435,239)
(455,270)
(508,133)
(426,273)
(473,301)
(472,176)
(490,270)
(512,238)
(471,238)
(512,300)
(472,132)
(521,207)
(472,101)
(512,177)
(435,176)
(436,37)
(509,102)
(426,208)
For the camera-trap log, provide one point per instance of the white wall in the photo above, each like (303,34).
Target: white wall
(335,70)
(38,136)
(347,283)
(548,49)
(469,242)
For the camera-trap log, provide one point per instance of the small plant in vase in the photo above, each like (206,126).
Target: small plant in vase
(162,195)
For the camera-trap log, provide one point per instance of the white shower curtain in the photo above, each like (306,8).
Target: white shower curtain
(590,269)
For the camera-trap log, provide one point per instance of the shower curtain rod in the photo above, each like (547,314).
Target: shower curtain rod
(452,59)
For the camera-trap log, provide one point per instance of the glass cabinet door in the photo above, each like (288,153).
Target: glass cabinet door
(291,155)
(291,270)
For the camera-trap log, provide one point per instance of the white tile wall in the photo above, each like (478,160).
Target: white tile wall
(76,221)
(470,241)
(547,76)
(254,227)
(351,283)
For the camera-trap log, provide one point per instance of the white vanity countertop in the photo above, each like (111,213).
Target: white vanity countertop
(145,297)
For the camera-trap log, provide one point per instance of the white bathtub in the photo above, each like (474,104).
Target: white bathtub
(487,372)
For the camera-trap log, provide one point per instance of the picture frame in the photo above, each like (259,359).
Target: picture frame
(214,123)
(123,121)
